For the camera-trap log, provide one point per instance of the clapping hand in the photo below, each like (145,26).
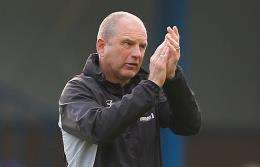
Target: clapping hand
(163,62)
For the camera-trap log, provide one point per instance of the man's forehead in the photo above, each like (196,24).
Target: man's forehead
(131,30)
(130,24)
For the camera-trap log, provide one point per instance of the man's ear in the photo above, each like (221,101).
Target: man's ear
(100,46)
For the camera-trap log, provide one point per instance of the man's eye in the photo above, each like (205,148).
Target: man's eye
(143,46)
(127,43)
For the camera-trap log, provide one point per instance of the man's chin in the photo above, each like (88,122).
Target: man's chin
(129,74)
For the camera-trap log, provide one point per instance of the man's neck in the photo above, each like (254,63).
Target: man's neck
(109,76)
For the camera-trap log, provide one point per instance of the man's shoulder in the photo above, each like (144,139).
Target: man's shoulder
(79,84)
(83,79)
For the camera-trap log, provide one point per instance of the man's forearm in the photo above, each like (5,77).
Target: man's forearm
(183,105)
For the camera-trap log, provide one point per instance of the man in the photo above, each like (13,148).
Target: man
(111,114)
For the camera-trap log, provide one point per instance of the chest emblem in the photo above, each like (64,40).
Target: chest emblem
(109,103)
(148,118)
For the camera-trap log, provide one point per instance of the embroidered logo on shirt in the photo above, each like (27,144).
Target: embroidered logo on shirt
(109,103)
(148,118)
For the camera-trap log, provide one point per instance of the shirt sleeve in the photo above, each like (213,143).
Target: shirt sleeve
(83,117)
(178,107)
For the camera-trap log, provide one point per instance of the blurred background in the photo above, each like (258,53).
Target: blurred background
(44,43)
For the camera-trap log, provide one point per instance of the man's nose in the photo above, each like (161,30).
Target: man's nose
(136,52)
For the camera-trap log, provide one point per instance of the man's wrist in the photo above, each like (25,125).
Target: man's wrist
(177,74)
(171,75)
(150,84)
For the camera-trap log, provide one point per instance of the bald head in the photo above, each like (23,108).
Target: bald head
(108,26)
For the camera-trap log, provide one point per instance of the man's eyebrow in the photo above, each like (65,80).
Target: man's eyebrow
(128,40)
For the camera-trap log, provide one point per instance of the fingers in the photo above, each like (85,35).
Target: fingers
(170,44)
(160,48)
(173,49)
(172,41)
(165,51)
(175,29)
(163,61)
(173,38)
(174,33)
(173,45)
(158,64)
(157,52)
(161,56)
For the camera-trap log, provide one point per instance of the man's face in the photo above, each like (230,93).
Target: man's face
(123,53)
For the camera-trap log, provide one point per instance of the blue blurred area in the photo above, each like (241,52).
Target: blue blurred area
(173,14)
(27,135)
(173,149)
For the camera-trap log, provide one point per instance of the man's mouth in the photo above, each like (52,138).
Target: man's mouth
(131,65)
